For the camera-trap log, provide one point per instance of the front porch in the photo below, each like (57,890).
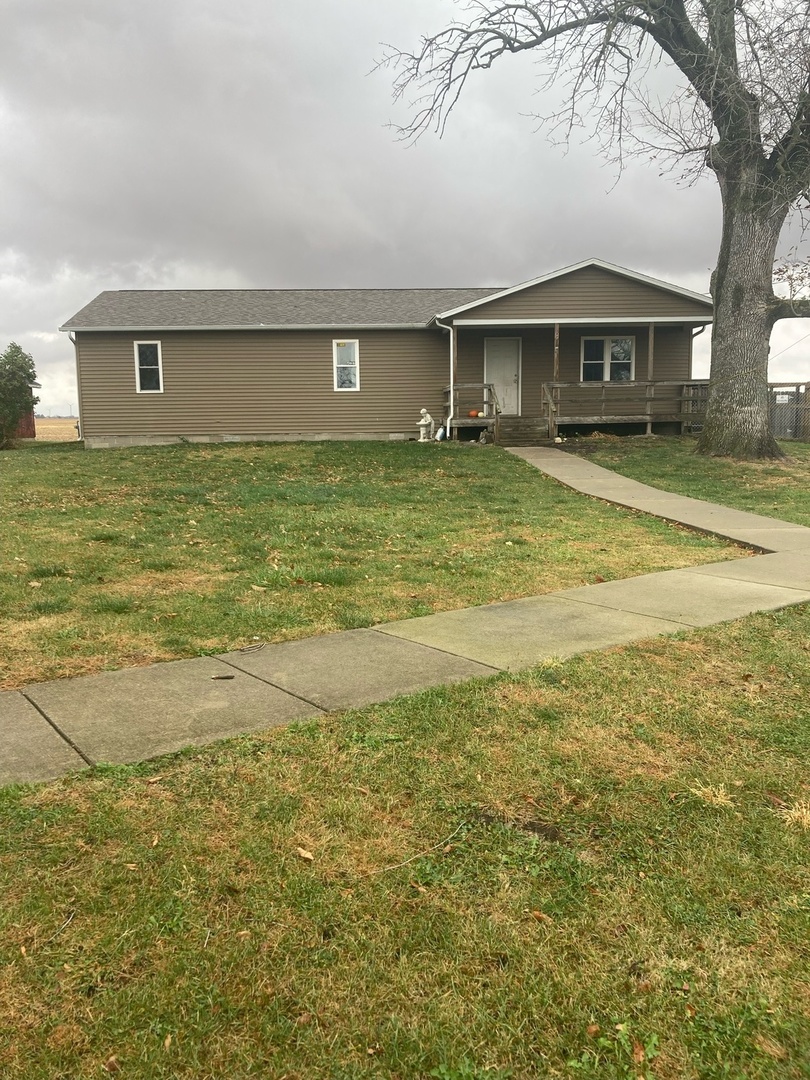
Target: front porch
(523,381)
(565,406)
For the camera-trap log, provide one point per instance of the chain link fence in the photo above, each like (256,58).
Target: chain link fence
(789,405)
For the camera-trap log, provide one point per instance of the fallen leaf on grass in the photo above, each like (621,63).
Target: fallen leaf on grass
(592,1030)
(638,1052)
(775,801)
(541,916)
(167,1042)
(111,1064)
(34,584)
(259,588)
(302,853)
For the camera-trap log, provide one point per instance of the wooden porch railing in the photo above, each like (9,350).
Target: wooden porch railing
(473,398)
(645,402)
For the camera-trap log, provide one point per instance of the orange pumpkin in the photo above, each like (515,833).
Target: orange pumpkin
(473,412)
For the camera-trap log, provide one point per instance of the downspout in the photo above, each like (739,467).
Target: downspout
(452,377)
(80,428)
(695,333)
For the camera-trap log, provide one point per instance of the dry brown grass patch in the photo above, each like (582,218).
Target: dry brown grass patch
(167,582)
(796,816)
(616,750)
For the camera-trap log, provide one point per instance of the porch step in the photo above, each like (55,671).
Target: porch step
(522,430)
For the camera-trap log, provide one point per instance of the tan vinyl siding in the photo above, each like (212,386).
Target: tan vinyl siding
(222,383)
(672,358)
(590,293)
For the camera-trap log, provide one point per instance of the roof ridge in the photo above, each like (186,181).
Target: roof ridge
(341,288)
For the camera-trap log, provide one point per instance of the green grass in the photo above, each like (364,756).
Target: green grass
(773,488)
(595,868)
(118,558)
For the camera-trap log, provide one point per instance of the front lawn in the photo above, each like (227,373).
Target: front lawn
(124,557)
(594,869)
(778,489)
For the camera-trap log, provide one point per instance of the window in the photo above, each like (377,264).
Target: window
(608,359)
(148,367)
(346,360)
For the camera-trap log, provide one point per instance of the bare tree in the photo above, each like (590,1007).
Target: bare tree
(742,111)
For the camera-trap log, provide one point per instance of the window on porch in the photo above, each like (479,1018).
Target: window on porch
(608,359)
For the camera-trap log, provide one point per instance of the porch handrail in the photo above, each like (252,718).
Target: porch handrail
(547,399)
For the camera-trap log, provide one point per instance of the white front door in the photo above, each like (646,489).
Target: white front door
(502,369)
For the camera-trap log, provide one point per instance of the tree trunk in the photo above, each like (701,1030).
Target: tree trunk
(737,422)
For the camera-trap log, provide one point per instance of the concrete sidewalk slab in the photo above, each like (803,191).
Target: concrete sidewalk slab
(775,537)
(30,749)
(132,715)
(521,633)
(354,668)
(687,598)
(790,569)
(740,526)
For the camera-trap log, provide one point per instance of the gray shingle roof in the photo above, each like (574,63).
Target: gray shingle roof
(164,309)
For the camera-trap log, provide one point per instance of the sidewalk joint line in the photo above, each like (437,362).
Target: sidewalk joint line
(267,682)
(59,732)
(380,629)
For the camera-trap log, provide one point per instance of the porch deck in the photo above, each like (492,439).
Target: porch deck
(475,405)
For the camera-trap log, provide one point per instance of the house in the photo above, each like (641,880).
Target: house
(591,344)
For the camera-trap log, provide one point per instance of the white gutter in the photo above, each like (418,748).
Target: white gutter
(452,379)
(591,320)
(152,329)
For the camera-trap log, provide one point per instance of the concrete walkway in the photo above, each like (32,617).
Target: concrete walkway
(54,728)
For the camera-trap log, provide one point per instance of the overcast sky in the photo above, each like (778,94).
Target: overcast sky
(211,144)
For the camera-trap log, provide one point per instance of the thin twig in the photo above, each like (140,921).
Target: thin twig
(67,922)
(413,858)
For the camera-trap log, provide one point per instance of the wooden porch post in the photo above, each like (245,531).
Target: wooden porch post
(650,369)
(556,352)
(454,380)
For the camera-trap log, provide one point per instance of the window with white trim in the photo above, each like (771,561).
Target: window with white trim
(346,363)
(608,359)
(148,367)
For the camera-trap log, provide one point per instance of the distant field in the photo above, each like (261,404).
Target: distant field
(56,429)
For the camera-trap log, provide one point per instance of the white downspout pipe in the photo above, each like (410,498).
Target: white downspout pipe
(452,379)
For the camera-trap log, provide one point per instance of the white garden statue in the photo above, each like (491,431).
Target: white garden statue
(426,425)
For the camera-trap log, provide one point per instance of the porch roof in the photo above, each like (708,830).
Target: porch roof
(591,292)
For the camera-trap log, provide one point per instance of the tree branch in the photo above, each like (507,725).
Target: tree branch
(797,308)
